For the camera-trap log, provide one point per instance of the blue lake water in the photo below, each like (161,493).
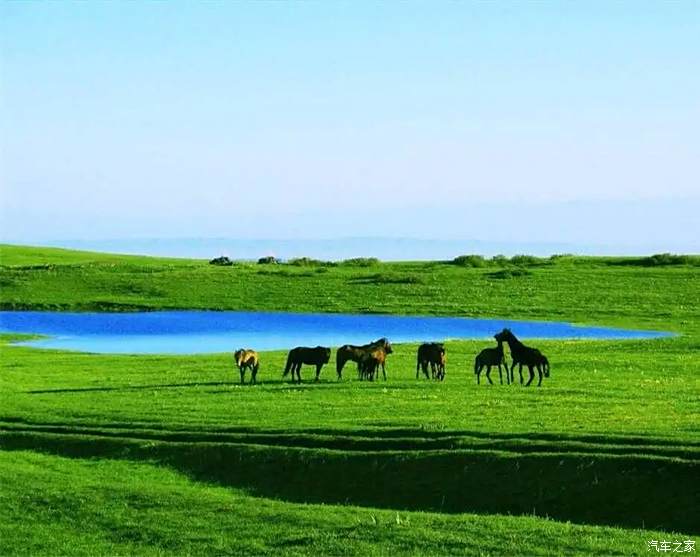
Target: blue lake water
(192,332)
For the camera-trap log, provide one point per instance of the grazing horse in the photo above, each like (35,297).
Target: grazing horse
(432,353)
(490,357)
(302,355)
(355,353)
(371,360)
(524,355)
(247,359)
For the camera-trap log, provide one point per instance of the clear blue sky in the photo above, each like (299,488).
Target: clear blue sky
(331,119)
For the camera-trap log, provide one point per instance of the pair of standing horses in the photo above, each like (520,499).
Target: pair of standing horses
(522,355)
(431,354)
(369,358)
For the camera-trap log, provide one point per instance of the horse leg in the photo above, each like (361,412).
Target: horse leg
(318,370)
(532,376)
(242,370)
(254,374)
(539,372)
(500,375)
(383,371)
(512,374)
(520,372)
(488,374)
(478,375)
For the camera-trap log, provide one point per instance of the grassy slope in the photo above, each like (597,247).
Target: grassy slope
(611,439)
(585,290)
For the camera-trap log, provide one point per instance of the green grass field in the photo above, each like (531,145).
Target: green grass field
(168,454)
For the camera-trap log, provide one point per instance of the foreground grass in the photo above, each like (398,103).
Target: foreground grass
(180,458)
(91,507)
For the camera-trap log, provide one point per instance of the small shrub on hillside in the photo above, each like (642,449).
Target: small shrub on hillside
(666,259)
(469,261)
(387,278)
(361,262)
(509,273)
(268,260)
(657,260)
(305,262)
(558,256)
(223,260)
(527,260)
(500,260)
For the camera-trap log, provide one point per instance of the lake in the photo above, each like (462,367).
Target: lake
(192,332)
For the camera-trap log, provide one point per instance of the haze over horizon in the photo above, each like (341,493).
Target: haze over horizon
(500,124)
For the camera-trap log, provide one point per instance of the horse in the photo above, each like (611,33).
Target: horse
(355,353)
(432,353)
(524,355)
(247,359)
(317,356)
(371,360)
(490,357)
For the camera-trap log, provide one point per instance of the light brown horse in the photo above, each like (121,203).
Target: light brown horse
(350,352)
(247,359)
(370,361)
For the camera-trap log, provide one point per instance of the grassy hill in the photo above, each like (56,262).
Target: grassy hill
(168,454)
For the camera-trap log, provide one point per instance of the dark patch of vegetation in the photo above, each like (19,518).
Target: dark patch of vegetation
(268,260)
(387,278)
(223,260)
(658,260)
(509,273)
(469,261)
(360,262)
(282,272)
(529,260)
(310,262)
(41,267)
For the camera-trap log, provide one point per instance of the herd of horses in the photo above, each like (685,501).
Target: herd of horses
(371,358)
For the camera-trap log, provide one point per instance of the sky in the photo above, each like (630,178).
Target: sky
(522,122)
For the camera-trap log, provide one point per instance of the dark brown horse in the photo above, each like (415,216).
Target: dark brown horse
(350,352)
(433,354)
(371,361)
(247,359)
(317,356)
(490,357)
(524,356)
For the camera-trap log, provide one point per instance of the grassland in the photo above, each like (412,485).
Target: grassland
(154,454)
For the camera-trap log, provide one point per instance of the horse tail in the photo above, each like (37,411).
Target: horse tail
(288,366)
(340,360)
